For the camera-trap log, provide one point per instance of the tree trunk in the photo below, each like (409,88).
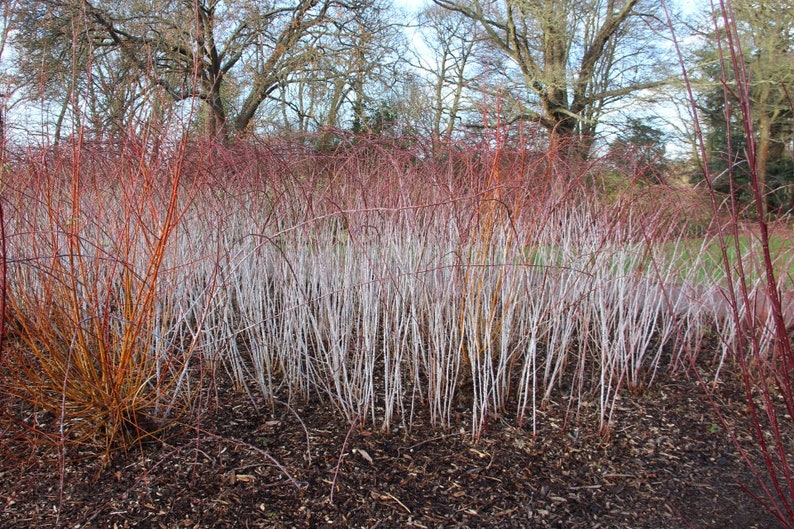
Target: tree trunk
(216,126)
(762,160)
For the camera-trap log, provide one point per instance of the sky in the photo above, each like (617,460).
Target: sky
(412,6)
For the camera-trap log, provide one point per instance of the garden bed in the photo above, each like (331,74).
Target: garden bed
(666,463)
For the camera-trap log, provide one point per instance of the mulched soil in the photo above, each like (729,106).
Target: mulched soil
(666,463)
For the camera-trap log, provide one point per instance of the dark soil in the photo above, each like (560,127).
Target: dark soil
(666,463)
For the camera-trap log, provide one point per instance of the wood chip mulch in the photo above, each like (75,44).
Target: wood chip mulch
(666,463)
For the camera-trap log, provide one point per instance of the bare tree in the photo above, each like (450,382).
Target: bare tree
(356,66)
(576,57)
(185,48)
(451,39)
(762,40)
(57,61)
(767,29)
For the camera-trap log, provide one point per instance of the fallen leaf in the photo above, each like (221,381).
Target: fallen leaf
(363,454)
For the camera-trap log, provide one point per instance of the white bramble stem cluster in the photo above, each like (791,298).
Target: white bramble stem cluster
(383,291)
